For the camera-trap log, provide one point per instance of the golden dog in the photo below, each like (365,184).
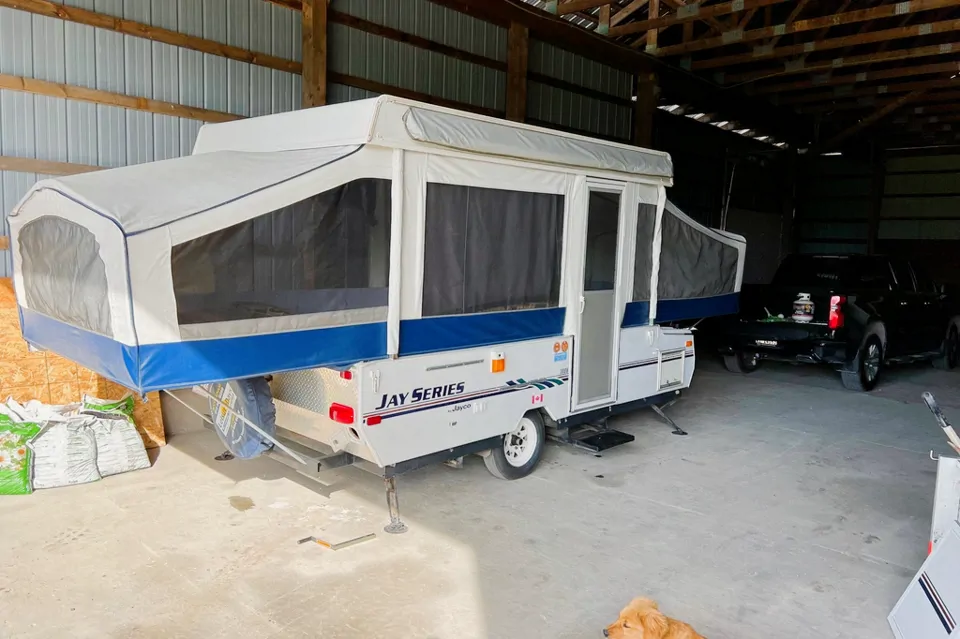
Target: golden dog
(641,619)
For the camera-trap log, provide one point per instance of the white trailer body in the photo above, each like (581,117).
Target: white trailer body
(415,280)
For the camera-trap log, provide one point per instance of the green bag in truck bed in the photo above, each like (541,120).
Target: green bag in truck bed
(15,456)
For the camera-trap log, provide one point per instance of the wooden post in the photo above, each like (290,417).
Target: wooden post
(654,13)
(518,52)
(314,53)
(647,93)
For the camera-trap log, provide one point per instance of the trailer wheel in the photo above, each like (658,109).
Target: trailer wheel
(520,451)
(741,362)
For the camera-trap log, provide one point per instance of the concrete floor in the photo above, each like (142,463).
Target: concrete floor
(794,508)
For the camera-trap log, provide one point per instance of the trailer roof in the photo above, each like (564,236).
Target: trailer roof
(399,123)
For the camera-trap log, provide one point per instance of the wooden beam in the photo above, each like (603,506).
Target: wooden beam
(572,6)
(651,40)
(790,18)
(579,90)
(43,167)
(676,84)
(603,25)
(885,35)
(314,32)
(848,92)
(687,31)
(379,87)
(643,109)
(690,11)
(685,5)
(396,35)
(83,94)
(518,51)
(864,76)
(746,19)
(627,11)
(802,66)
(4,243)
(800,26)
(156,34)
(871,119)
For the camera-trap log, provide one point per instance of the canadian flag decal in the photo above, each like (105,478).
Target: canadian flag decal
(537,399)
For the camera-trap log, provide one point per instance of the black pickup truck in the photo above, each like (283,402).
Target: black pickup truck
(867,311)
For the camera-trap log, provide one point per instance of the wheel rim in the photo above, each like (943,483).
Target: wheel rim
(520,444)
(871,363)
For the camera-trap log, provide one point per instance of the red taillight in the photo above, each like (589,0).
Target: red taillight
(341,414)
(836,312)
(373,420)
(346,374)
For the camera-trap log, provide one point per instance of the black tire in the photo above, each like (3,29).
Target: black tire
(950,351)
(741,362)
(866,366)
(254,401)
(507,466)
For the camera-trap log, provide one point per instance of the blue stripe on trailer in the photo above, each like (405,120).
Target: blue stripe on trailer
(182,364)
(636,314)
(432,334)
(673,310)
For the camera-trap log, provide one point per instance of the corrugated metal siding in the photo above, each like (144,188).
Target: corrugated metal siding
(571,110)
(84,133)
(833,212)
(921,199)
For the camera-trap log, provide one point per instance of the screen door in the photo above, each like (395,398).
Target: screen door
(597,339)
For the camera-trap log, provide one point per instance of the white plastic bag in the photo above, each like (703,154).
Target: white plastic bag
(65,453)
(120,448)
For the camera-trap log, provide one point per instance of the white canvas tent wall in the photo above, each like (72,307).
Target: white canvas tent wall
(109,299)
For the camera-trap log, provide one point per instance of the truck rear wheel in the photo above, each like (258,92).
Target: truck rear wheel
(950,352)
(520,450)
(741,362)
(866,366)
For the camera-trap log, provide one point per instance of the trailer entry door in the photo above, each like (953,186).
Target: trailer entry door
(597,340)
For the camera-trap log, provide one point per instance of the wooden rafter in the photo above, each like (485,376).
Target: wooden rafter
(684,5)
(651,39)
(864,76)
(810,24)
(849,92)
(573,6)
(794,14)
(802,66)
(688,12)
(627,11)
(886,35)
(871,119)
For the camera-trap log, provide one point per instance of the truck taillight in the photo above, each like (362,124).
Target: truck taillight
(341,414)
(836,312)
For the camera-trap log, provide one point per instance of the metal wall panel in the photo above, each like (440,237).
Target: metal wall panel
(371,57)
(45,128)
(566,109)
(434,22)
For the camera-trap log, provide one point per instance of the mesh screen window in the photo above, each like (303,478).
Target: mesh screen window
(490,250)
(329,252)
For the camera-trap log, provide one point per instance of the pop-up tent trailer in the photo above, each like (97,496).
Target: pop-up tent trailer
(426,258)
